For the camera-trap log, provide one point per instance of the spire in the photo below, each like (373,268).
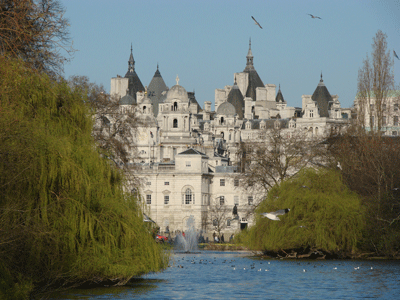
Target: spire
(157,73)
(321,82)
(131,62)
(249,57)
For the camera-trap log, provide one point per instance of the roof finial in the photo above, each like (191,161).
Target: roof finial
(157,65)
(321,78)
(250,43)
(131,47)
(177,80)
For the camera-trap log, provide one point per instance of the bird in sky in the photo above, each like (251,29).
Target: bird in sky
(256,22)
(147,218)
(314,17)
(394,52)
(274,215)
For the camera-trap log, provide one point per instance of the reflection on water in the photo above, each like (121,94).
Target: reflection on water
(217,275)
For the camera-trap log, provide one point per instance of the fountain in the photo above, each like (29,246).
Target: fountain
(187,242)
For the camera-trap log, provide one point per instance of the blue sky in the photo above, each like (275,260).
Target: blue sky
(205,42)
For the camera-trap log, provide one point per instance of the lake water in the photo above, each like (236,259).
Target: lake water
(224,275)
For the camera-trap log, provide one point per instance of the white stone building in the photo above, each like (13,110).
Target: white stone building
(187,154)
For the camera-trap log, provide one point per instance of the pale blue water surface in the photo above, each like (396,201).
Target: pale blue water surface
(224,275)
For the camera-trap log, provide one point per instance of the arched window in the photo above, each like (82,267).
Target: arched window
(144,108)
(222,120)
(188,196)
(175,123)
(175,106)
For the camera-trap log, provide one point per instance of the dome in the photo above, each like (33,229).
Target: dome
(226,109)
(127,100)
(177,92)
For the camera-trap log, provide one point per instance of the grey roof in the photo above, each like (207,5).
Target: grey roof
(236,98)
(192,100)
(127,100)
(134,84)
(226,109)
(192,151)
(279,96)
(254,80)
(323,98)
(155,89)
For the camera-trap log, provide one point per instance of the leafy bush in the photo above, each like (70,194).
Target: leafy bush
(324,213)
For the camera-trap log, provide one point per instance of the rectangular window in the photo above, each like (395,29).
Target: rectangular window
(188,164)
(148,199)
(371,107)
(250,200)
(166,183)
(383,107)
(384,121)
(148,183)
(166,199)
(396,121)
(222,182)
(311,113)
(221,200)
(236,182)
(236,200)
(372,121)
(396,107)
(394,132)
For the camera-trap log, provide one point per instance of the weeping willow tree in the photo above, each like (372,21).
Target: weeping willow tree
(324,214)
(64,217)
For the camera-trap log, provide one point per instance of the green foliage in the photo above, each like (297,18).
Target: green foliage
(324,213)
(64,216)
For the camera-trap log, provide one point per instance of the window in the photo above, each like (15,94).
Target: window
(372,121)
(236,182)
(384,121)
(311,113)
(188,196)
(250,200)
(148,199)
(396,121)
(371,107)
(215,222)
(236,200)
(166,183)
(394,132)
(222,182)
(188,164)
(228,223)
(396,107)
(148,183)
(175,123)
(166,199)
(383,107)
(221,200)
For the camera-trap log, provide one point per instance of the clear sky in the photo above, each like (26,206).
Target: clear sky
(205,42)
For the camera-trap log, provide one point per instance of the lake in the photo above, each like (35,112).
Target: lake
(223,275)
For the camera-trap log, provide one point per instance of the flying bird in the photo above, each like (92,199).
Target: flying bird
(314,17)
(394,52)
(274,215)
(147,218)
(256,22)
